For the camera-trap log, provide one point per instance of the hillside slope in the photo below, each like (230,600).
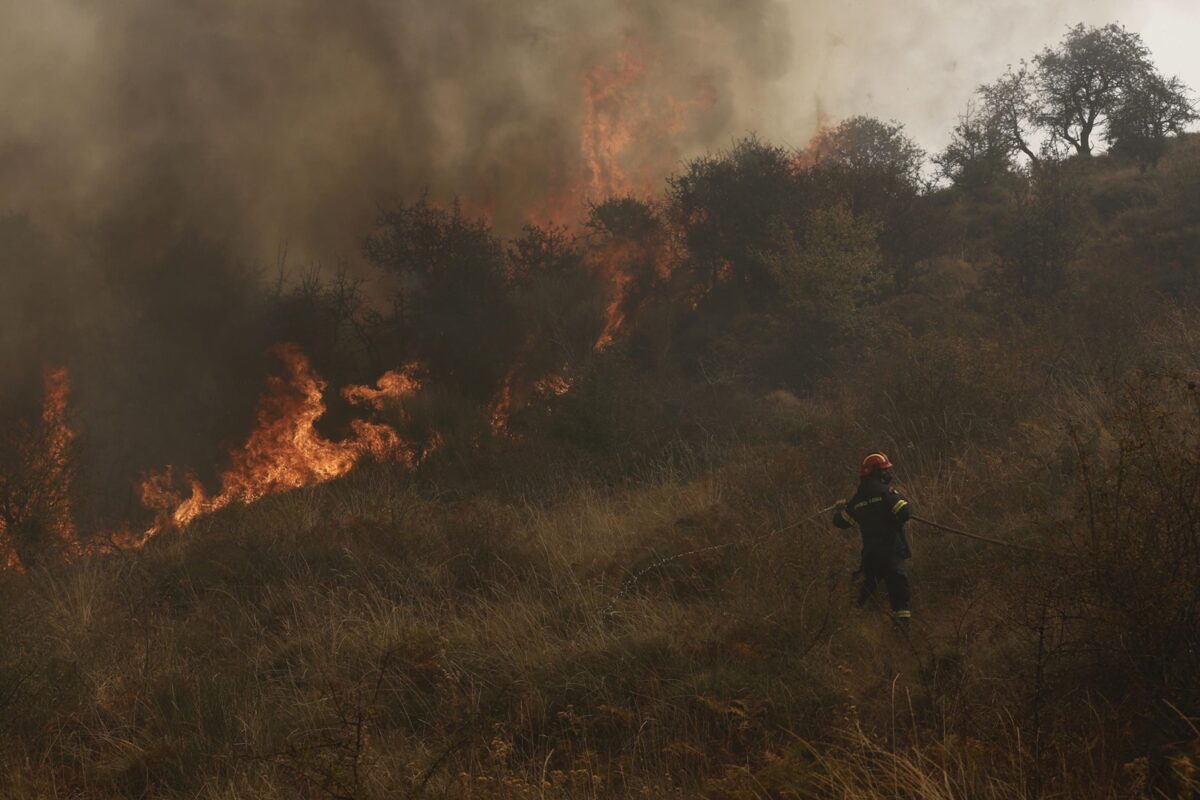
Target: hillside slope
(470,629)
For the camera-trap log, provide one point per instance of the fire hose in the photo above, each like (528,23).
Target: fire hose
(976,536)
(632,581)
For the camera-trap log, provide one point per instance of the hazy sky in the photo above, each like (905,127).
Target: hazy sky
(918,61)
(261,122)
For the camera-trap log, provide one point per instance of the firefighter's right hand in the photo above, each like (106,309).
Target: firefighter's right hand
(841,503)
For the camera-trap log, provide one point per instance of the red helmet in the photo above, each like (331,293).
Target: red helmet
(873,462)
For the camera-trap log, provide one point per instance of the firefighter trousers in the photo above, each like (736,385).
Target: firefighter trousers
(892,572)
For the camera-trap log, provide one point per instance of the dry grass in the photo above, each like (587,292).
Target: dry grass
(367,639)
(377,638)
(362,640)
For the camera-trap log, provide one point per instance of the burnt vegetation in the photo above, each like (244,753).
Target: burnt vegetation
(672,374)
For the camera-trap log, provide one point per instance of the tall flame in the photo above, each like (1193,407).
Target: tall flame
(629,129)
(39,493)
(630,125)
(57,465)
(614,264)
(611,114)
(630,268)
(501,407)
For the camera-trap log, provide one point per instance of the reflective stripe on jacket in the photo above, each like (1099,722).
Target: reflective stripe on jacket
(880,513)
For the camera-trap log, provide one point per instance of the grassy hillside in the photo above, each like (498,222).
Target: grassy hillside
(469,630)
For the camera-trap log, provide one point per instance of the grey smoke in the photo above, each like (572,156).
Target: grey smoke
(291,120)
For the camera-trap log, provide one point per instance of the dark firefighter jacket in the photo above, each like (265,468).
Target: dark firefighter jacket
(880,513)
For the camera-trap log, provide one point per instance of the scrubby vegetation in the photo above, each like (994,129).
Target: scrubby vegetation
(1022,342)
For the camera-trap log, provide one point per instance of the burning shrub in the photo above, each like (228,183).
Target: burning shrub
(37,470)
(631,253)
(453,308)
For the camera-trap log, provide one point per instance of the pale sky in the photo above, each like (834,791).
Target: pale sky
(918,61)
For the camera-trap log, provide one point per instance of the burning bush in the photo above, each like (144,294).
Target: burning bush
(37,471)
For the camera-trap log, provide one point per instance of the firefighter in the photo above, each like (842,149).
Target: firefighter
(880,513)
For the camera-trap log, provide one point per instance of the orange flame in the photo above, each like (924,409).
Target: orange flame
(11,561)
(552,386)
(46,479)
(285,451)
(515,393)
(394,385)
(630,268)
(629,131)
(629,126)
(819,146)
(58,440)
(502,406)
(611,112)
(613,264)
